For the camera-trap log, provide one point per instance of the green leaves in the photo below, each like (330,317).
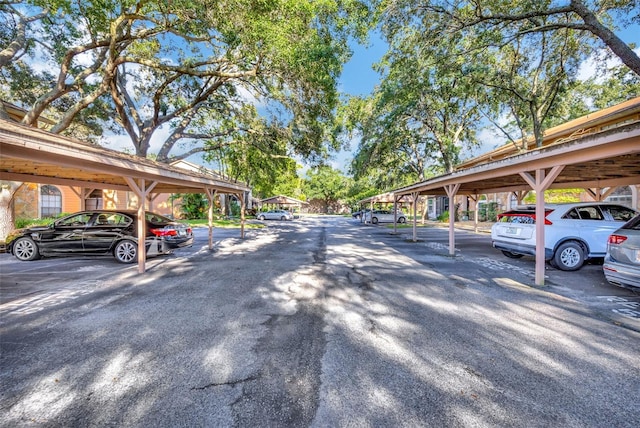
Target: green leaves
(188,66)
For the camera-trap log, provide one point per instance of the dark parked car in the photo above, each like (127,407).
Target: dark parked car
(99,232)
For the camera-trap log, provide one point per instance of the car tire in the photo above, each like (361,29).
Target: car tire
(569,256)
(126,251)
(402,220)
(374,220)
(283,218)
(25,249)
(512,255)
(261,218)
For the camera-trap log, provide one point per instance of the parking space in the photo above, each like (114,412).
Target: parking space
(290,312)
(24,281)
(25,286)
(587,285)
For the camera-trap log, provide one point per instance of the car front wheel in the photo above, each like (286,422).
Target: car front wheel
(261,218)
(126,251)
(26,249)
(402,220)
(569,256)
(283,218)
(374,220)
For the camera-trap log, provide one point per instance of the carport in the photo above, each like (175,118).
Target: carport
(388,198)
(598,161)
(35,156)
(282,200)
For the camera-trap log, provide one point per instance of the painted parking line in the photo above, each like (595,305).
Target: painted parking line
(493,264)
(623,306)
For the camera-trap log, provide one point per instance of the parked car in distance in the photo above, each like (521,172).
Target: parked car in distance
(99,232)
(574,232)
(384,216)
(275,215)
(622,262)
(358,214)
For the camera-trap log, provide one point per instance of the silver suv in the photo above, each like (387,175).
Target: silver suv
(573,232)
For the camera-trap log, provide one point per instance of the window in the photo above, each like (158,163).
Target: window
(50,201)
(620,213)
(77,220)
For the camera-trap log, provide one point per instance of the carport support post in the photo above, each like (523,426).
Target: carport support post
(541,183)
(142,191)
(211,195)
(414,197)
(395,213)
(240,197)
(451,190)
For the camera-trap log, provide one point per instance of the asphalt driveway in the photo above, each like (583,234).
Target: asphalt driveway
(317,322)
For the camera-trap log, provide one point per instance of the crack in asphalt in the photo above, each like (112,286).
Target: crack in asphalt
(227,383)
(285,391)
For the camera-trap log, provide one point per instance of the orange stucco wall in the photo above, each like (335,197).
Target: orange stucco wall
(26,201)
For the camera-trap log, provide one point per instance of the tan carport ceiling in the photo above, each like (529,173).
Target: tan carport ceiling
(36,156)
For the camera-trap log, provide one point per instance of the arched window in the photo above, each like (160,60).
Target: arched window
(50,201)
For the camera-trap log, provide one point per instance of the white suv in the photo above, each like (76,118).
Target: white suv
(573,232)
(384,216)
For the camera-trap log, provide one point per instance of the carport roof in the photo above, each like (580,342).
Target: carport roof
(283,200)
(605,159)
(385,198)
(35,156)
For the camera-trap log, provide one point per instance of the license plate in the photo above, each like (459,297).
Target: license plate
(513,231)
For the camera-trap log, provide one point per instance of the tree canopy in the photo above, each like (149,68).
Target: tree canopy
(206,73)
(453,65)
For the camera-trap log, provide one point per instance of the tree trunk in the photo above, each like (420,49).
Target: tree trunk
(608,37)
(7,212)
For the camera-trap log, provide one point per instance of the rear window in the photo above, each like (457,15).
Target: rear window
(620,213)
(517,218)
(634,223)
(157,218)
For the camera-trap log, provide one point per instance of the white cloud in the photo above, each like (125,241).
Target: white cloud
(591,66)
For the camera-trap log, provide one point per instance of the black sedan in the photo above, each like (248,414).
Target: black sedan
(99,232)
